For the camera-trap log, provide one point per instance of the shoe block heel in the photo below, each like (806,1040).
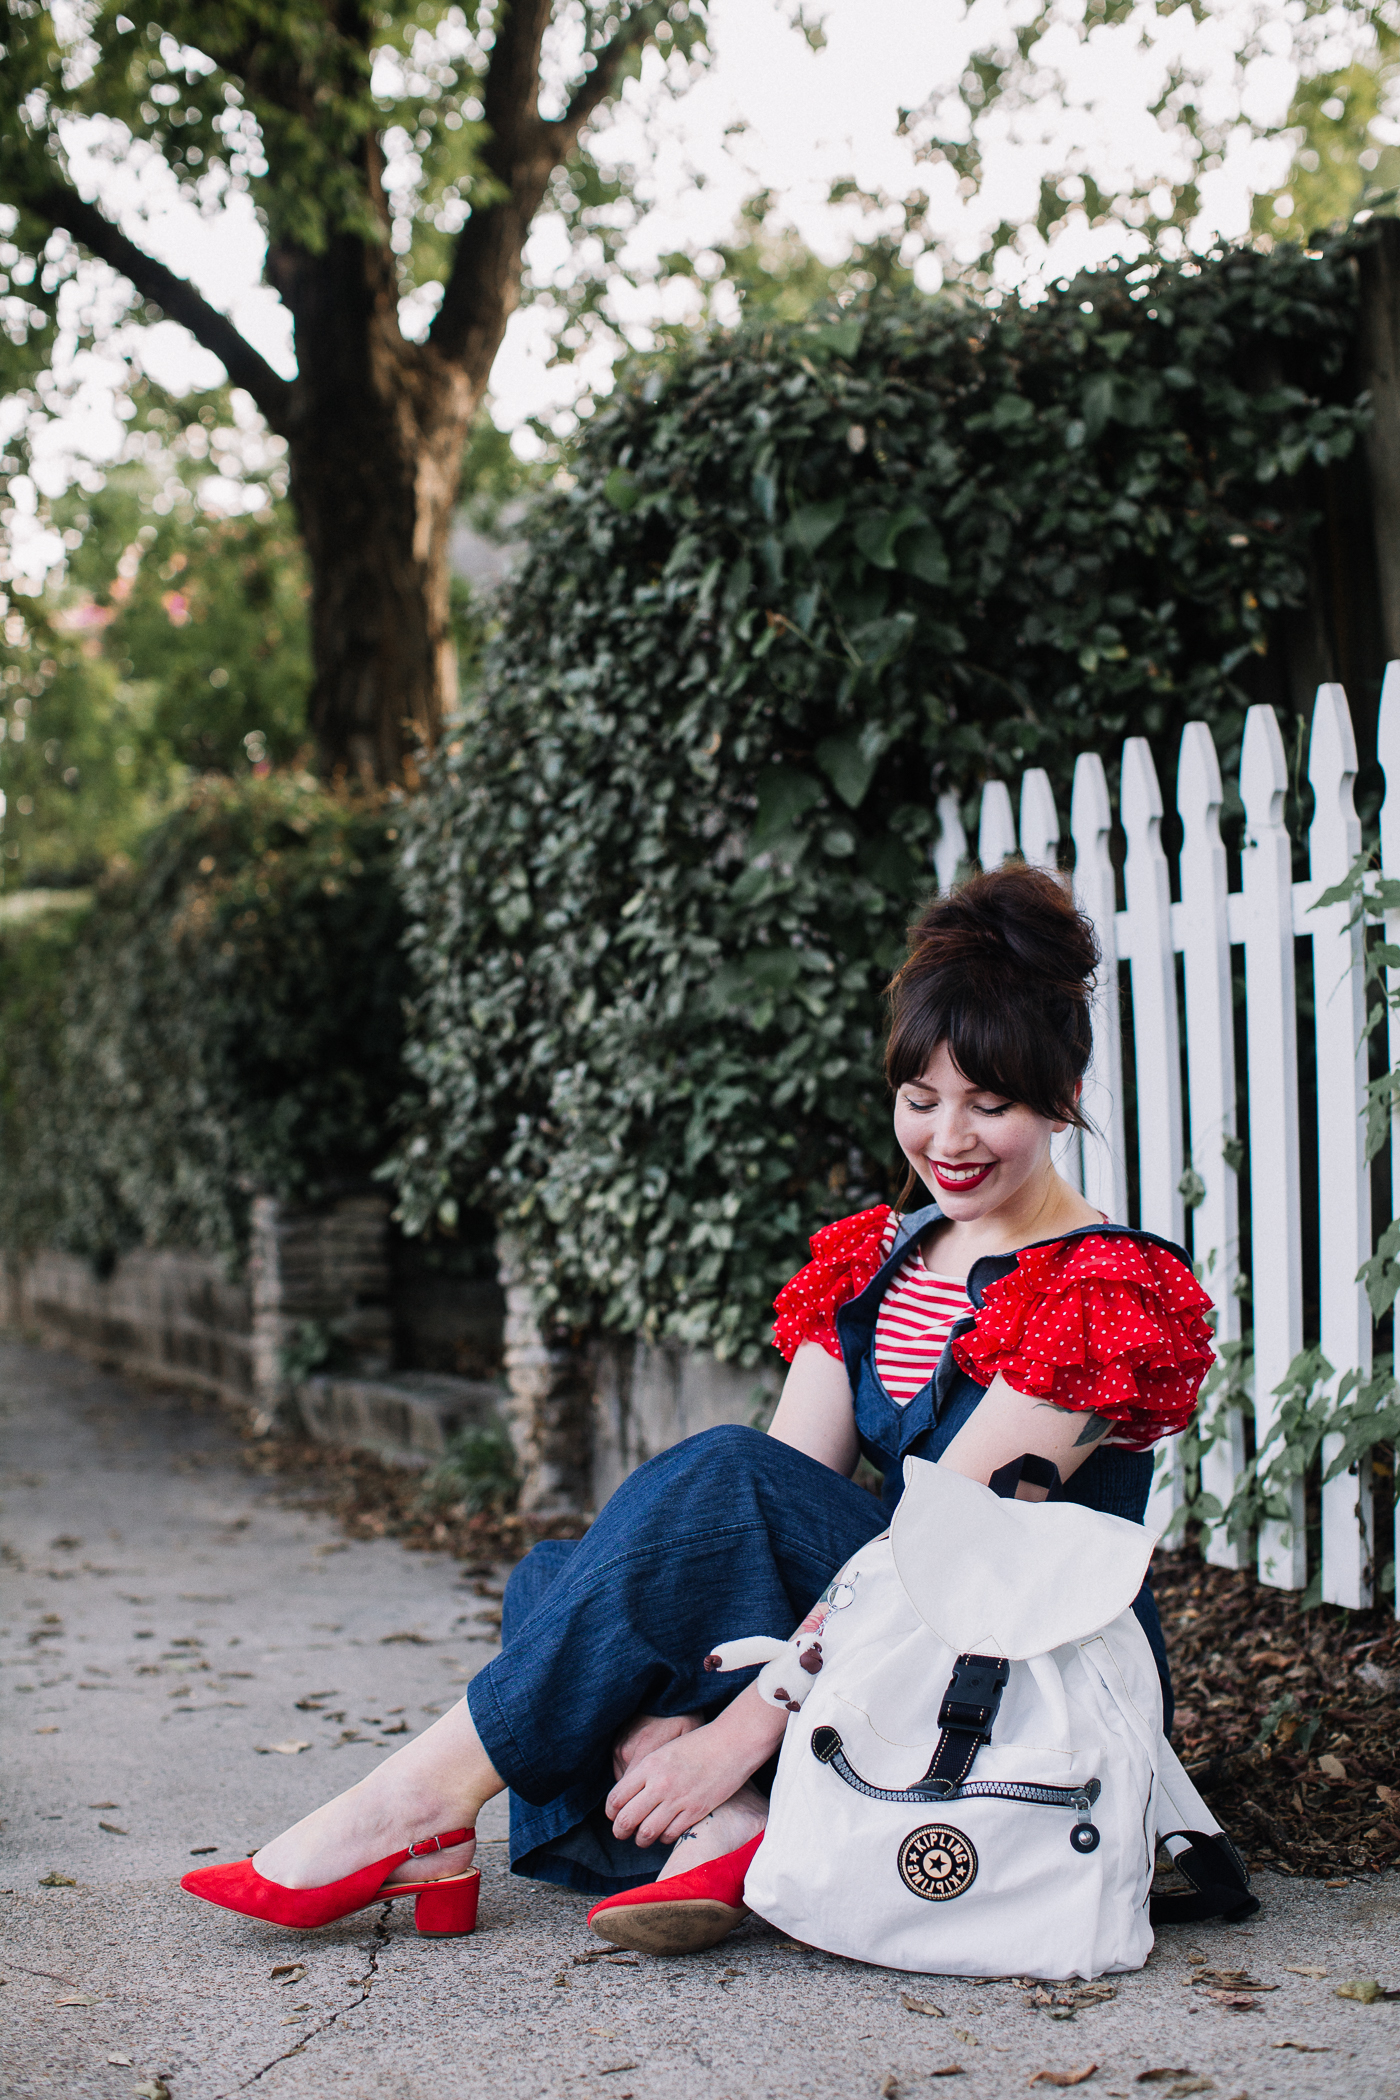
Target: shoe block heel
(448,1909)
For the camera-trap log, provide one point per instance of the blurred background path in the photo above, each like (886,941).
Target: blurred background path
(190,1661)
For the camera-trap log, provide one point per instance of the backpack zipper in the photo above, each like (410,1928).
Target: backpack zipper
(827,1749)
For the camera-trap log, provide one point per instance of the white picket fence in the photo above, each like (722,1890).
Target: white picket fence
(1264,918)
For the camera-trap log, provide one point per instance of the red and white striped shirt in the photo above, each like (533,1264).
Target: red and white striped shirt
(913,1323)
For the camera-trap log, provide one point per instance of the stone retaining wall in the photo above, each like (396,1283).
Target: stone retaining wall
(159,1315)
(582,1416)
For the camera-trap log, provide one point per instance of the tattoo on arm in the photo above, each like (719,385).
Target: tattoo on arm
(1095,1426)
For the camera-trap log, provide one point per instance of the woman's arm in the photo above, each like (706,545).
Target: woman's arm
(1005,1424)
(815,1413)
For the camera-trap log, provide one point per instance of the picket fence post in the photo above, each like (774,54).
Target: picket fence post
(1388,752)
(1040,848)
(996,831)
(1103,1152)
(1147,924)
(1275,1204)
(1344,1182)
(1210,1072)
(1040,822)
(950,853)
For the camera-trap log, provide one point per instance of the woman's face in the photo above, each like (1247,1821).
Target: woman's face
(975,1150)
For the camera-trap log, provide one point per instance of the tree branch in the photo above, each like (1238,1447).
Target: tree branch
(61,205)
(599,84)
(522,153)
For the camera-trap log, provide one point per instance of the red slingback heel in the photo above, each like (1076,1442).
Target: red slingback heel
(681,1914)
(442,1908)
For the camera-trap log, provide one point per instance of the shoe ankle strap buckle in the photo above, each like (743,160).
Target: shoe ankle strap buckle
(442,1843)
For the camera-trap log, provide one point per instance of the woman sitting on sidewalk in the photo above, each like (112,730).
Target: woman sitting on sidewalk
(1007,1317)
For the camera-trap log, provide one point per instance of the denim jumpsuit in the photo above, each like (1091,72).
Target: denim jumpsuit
(726,1534)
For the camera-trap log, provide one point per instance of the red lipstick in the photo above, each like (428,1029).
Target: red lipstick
(957,1182)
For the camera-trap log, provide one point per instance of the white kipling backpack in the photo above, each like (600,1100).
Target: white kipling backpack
(974,1779)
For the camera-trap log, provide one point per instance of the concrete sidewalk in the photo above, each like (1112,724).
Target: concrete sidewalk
(167,1619)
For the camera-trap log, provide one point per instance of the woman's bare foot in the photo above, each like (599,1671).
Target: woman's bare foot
(725,1829)
(440,1782)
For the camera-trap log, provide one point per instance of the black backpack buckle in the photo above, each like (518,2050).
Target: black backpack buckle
(974,1694)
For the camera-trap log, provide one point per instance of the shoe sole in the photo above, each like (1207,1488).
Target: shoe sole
(684,1927)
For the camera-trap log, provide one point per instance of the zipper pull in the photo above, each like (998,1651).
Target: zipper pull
(1084,1837)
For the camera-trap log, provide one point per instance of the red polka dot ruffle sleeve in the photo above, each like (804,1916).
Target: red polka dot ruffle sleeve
(845,1256)
(1108,1325)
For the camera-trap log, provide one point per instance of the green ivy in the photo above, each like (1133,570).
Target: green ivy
(228,1021)
(804,578)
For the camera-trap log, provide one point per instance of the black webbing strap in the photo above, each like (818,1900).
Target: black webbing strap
(1035,1471)
(1218,1876)
(965,1717)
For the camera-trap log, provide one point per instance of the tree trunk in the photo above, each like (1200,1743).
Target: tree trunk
(375,454)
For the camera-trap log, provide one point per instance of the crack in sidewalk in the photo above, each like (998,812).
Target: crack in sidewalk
(379,1940)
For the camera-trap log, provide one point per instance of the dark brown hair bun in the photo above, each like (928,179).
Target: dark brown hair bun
(1001,970)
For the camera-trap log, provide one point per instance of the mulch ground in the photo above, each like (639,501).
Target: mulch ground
(1288,1721)
(1319,1792)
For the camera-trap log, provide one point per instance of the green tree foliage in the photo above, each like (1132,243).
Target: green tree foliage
(175,644)
(1339,166)
(229,1022)
(1029,84)
(806,577)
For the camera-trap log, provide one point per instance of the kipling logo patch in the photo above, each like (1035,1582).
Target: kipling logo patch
(937,1862)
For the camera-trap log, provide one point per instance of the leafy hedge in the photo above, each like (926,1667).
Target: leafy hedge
(228,1020)
(806,578)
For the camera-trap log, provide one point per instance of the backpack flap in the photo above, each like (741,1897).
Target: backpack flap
(1014,1579)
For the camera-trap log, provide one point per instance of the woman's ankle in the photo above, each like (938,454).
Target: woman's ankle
(724,1830)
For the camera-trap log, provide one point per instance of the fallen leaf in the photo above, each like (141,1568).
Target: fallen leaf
(120,2060)
(1336,1884)
(1229,1980)
(54,1880)
(562,1978)
(46,1731)
(1184,2086)
(922,2005)
(1236,2001)
(115,1829)
(153,2089)
(1364,1989)
(963,2036)
(623,1961)
(1062,2077)
(1388,1795)
(1164,2071)
(78,1998)
(1304,2048)
(419,1640)
(1331,1767)
(889,2086)
(947,2071)
(1304,1969)
(288,1972)
(287,1749)
(198,1851)
(104,1804)
(607,2070)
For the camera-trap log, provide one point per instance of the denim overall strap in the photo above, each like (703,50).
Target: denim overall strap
(855,1321)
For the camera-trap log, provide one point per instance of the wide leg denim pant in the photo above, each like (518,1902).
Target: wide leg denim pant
(727,1534)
